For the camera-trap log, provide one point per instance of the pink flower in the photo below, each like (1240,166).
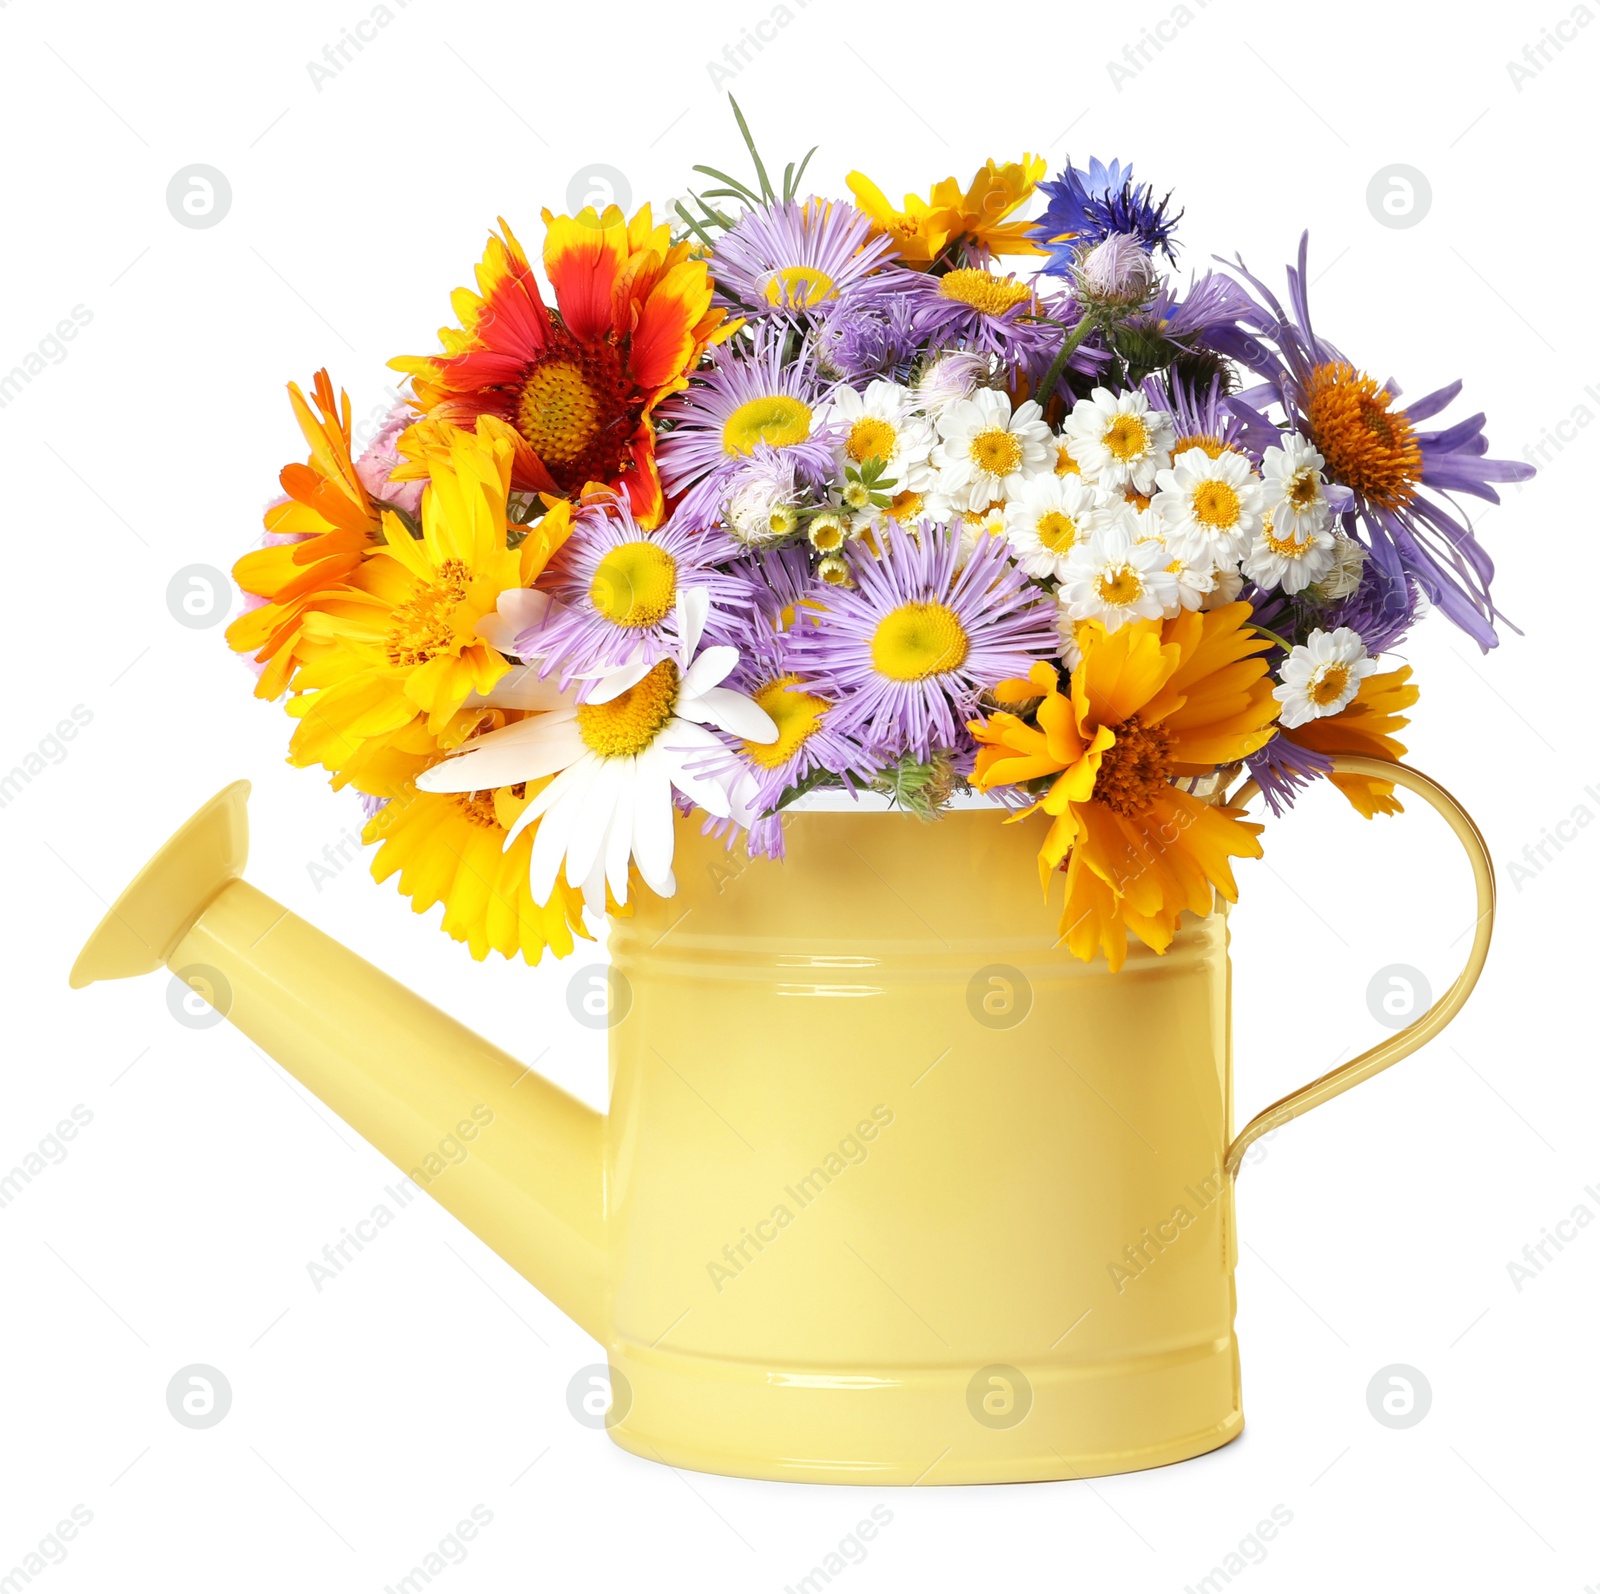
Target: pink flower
(380,457)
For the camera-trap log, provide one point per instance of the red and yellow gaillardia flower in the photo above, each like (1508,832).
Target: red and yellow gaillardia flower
(1150,702)
(322,532)
(1366,726)
(576,386)
(980,213)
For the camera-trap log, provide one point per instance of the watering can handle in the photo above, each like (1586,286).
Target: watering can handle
(1423,1028)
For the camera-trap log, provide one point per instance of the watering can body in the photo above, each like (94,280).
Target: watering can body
(889,1190)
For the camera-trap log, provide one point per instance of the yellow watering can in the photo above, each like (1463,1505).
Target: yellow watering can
(890,1189)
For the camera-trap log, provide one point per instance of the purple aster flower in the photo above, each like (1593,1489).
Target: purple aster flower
(1212,301)
(970,308)
(795,259)
(1282,769)
(871,332)
(810,738)
(1087,207)
(1208,419)
(785,584)
(1400,477)
(614,588)
(755,392)
(907,650)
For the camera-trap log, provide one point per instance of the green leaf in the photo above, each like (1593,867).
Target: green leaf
(755,154)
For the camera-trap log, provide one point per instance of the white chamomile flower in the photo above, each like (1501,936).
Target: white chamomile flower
(1344,573)
(1321,676)
(616,759)
(1117,439)
(882,423)
(1113,579)
(1288,562)
(976,525)
(1226,586)
(986,452)
(1295,494)
(1210,509)
(1047,519)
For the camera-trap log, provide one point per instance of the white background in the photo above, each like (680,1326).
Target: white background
(429,1379)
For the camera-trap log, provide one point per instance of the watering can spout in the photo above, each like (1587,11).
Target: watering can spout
(515,1158)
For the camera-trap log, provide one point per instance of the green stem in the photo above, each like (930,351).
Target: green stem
(1059,365)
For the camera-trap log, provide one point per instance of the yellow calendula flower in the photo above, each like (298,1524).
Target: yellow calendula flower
(393,657)
(980,213)
(450,847)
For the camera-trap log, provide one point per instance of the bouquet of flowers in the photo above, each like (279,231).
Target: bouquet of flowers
(792,492)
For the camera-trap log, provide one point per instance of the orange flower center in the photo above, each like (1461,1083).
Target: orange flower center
(631,721)
(477,808)
(1135,769)
(1213,447)
(1330,684)
(424,624)
(575,407)
(1368,445)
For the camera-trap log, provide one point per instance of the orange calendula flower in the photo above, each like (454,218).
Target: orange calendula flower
(1150,702)
(1366,726)
(329,525)
(981,212)
(576,385)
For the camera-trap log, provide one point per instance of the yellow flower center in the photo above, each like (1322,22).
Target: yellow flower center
(424,625)
(1212,446)
(1057,531)
(1215,505)
(833,571)
(918,640)
(1284,547)
(905,505)
(476,808)
(1135,769)
(635,583)
(1329,684)
(1368,445)
(827,534)
(995,451)
(798,286)
(1119,587)
(558,412)
(985,292)
(1066,465)
(870,438)
(630,722)
(796,713)
(1126,438)
(779,419)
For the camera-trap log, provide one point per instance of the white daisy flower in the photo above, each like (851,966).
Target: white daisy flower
(616,759)
(1210,509)
(1296,495)
(1117,439)
(1320,677)
(985,452)
(882,423)
(1113,579)
(1050,516)
(1344,573)
(1072,633)
(1286,561)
